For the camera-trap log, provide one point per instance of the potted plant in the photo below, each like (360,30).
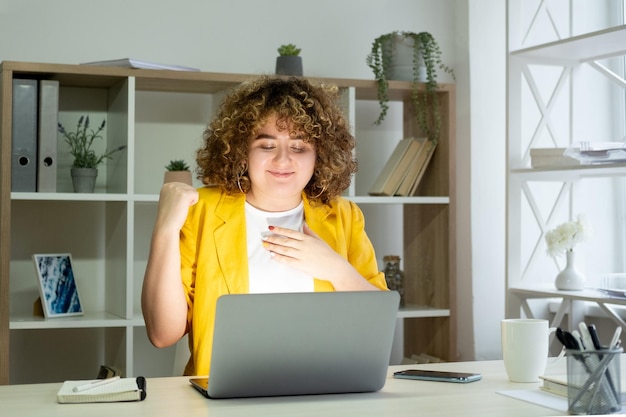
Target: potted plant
(177,171)
(85,166)
(414,57)
(289,62)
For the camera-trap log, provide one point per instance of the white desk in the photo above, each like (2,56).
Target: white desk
(175,397)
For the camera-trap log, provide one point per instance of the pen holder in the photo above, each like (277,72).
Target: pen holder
(593,381)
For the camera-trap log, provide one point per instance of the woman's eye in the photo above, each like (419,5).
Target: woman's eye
(298,149)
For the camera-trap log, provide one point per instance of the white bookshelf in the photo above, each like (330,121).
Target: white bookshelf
(560,91)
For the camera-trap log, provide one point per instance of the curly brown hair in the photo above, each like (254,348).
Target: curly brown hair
(297,103)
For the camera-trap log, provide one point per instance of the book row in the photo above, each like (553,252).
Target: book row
(405,168)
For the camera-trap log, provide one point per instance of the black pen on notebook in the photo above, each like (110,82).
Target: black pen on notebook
(94,384)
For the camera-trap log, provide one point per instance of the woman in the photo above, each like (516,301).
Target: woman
(270,218)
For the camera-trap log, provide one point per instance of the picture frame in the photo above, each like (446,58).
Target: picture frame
(57,285)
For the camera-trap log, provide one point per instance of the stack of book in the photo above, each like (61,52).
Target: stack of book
(139,64)
(550,157)
(405,168)
(555,384)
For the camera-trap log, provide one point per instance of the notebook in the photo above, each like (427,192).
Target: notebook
(300,344)
(114,389)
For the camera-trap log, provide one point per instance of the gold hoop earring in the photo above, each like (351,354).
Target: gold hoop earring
(321,192)
(243,172)
(239,185)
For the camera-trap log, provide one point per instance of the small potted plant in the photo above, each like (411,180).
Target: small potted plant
(414,57)
(289,62)
(84,169)
(177,171)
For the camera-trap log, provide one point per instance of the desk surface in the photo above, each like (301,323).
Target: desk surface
(175,396)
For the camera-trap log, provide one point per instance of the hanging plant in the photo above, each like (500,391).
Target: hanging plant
(427,56)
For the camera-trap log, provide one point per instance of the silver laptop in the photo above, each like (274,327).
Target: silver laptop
(299,344)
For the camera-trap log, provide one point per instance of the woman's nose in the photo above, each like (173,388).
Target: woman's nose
(282,154)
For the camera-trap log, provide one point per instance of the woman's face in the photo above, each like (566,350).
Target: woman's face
(279,166)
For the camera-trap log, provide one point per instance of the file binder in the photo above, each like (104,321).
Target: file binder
(24,136)
(48,128)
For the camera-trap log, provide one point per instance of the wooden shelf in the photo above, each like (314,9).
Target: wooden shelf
(114,251)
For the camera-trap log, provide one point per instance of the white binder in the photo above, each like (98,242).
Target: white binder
(24,136)
(48,128)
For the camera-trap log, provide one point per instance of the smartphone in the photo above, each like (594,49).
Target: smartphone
(442,376)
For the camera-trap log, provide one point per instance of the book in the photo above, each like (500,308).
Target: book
(24,136)
(395,168)
(47,138)
(550,157)
(136,63)
(554,384)
(417,168)
(102,390)
(411,173)
(424,165)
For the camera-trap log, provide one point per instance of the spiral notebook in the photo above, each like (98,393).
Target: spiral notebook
(102,390)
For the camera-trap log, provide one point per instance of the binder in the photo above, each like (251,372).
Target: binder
(24,136)
(47,143)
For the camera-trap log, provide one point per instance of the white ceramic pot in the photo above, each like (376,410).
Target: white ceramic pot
(401,61)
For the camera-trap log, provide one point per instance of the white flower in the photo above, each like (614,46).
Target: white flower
(565,236)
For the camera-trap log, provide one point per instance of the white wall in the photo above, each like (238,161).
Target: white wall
(486,188)
(221,36)
(335,36)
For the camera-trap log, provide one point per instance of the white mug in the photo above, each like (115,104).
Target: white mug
(525,344)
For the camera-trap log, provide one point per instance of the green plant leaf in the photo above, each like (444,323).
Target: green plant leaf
(424,99)
(80,142)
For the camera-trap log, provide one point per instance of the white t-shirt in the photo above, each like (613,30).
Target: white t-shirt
(265,274)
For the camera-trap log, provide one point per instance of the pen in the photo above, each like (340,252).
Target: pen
(579,338)
(594,336)
(585,336)
(94,384)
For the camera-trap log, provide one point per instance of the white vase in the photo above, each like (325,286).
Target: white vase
(570,278)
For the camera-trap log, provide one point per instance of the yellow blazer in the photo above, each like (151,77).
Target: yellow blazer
(214,257)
